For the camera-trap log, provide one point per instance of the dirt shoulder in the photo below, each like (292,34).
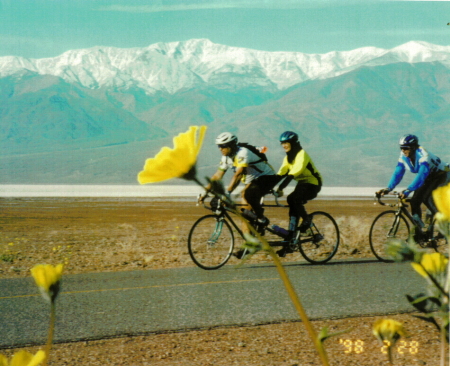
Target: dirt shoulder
(100,235)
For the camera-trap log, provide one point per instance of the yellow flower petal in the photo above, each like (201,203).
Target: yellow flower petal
(388,330)
(3,360)
(176,162)
(441,197)
(24,358)
(434,264)
(47,277)
(419,269)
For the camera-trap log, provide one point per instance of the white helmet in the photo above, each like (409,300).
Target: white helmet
(226,138)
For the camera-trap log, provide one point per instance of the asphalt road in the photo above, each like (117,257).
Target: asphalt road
(102,305)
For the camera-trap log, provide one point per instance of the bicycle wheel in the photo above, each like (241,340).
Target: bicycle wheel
(324,241)
(210,242)
(439,242)
(387,225)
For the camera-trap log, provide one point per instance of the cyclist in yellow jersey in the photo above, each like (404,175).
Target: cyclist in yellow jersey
(297,165)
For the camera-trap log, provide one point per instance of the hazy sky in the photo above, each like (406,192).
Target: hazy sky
(47,28)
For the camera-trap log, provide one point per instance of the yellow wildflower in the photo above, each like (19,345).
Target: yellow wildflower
(178,162)
(388,330)
(441,197)
(23,358)
(47,278)
(431,264)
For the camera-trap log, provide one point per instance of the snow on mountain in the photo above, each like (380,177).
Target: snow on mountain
(170,67)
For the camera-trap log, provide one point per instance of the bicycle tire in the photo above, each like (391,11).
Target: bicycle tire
(211,242)
(387,225)
(439,241)
(325,238)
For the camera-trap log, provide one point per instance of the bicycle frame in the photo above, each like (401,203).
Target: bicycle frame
(402,209)
(211,238)
(224,212)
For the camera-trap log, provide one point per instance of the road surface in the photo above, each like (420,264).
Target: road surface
(103,305)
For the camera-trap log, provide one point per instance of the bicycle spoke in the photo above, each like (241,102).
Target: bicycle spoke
(320,243)
(385,227)
(210,242)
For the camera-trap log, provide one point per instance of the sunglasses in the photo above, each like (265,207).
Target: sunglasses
(405,148)
(223,146)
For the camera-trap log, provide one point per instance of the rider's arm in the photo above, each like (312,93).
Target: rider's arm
(218,175)
(286,180)
(236,179)
(396,176)
(422,174)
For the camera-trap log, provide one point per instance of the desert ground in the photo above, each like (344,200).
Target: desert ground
(102,235)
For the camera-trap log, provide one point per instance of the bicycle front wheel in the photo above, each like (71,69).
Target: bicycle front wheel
(386,226)
(324,241)
(211,242)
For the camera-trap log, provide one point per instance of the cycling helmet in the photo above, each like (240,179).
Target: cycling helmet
(410,141)
(226,138)
(289,136)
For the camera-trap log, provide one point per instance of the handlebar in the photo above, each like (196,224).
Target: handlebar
(218,203)
(400,202)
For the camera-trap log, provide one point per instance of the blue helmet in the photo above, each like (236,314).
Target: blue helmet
(289,136)
(410,141)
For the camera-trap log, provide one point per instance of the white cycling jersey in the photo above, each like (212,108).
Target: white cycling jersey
(255,166)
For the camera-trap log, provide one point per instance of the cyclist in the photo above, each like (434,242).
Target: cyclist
(297,165)
(257,175)
(431,173)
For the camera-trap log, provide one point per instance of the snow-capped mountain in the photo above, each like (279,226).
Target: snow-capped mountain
(95,115)
(170,67)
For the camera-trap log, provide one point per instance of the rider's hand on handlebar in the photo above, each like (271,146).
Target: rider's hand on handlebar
(278,193)
(382,192)
(404,194)
(201,198)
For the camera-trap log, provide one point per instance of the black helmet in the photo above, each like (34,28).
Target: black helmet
(409,141)
(289,136)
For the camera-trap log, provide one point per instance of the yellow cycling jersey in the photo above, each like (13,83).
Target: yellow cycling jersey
(302,168)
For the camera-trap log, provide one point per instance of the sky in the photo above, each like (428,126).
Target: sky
(47,28)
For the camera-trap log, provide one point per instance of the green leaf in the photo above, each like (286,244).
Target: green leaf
(420,302)
(324,335)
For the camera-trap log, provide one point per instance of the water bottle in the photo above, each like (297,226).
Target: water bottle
(249,214)
(280,231)
(418,221)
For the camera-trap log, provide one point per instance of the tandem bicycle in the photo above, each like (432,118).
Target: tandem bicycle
(211,239)
(395,224)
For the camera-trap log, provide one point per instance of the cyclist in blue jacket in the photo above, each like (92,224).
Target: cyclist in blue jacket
(431,173)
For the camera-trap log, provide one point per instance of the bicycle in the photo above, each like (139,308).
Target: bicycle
(393,224)
(211,238)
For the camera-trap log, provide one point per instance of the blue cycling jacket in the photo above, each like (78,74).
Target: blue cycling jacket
(425,163)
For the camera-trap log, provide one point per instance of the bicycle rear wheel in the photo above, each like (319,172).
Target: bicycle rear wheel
(324,239)
(386,226)
(211,242)
(439,242)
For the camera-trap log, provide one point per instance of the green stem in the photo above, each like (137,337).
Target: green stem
(443,343)
(436,283)
(292,294)
(48,346)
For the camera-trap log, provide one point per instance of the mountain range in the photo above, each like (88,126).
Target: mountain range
(92,116)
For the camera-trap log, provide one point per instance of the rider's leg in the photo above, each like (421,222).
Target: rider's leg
(245,205)
(439,180)
(424,193)
(302,193)
(256,190)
